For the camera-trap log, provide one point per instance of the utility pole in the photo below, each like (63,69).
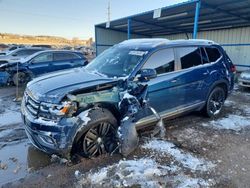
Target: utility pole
(108,22)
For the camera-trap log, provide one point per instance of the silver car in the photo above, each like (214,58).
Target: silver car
(244,79)
(17,55)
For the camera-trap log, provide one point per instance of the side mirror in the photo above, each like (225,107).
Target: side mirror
(147,74)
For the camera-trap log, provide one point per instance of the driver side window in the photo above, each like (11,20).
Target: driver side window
(45,57)
(162,61)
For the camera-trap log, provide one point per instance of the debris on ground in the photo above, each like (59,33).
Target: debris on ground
(57,159)
(3,166)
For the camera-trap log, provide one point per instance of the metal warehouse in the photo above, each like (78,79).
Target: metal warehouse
(226,22)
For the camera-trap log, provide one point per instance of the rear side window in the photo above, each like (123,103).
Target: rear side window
(64,56)
(189,57)
(162,61)
(213,53)
(204,56)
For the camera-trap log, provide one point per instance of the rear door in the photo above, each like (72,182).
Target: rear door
(40,64)
(192,75)
(164,91)
(65,60)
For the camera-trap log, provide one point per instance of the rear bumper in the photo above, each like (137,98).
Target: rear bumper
(244,83)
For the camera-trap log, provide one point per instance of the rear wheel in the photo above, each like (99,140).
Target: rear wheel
(100,136)
(215,102)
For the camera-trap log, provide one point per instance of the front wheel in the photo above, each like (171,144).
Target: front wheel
(100,136)
(215,102)
(21,78)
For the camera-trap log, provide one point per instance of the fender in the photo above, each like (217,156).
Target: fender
(216,83)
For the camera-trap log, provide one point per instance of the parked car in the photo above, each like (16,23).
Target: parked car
(40,63)
(80,110)
(244,79)
(3,47)
(17,54)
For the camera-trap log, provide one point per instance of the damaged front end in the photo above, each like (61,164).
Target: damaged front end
(54,128)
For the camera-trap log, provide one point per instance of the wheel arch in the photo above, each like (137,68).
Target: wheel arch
(82,129)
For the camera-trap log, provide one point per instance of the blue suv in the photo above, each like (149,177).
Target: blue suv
(80,110)
(39,63)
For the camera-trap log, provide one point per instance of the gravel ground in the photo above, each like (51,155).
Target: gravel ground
(195,152)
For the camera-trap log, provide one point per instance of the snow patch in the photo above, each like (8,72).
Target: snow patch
(186,159)
(10,117)
(45,122)
(232,122)
(143,172)
(84,116)
(229,103)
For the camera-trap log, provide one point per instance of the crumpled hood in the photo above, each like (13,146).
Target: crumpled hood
(53,87)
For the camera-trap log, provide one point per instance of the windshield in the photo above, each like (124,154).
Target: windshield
(116,62)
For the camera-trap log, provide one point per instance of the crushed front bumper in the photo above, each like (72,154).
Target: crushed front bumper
(52,139)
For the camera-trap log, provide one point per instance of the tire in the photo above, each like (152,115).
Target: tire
(100,135)
(215,102)
(20,79)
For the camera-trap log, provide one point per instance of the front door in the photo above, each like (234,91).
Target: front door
(41,63)
(164,91)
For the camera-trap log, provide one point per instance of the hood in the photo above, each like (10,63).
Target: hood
(53,87)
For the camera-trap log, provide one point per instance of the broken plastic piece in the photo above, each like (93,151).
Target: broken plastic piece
(128,137)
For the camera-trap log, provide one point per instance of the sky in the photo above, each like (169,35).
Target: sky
(67,18)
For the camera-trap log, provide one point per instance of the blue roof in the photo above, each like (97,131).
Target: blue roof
(179,18)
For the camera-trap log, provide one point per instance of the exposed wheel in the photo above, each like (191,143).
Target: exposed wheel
(20,79)
(215,102)
(100,136)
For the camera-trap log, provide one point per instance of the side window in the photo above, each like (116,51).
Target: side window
(162,61)
(64,56)
(45,57)
(213,54)
(189,57)
(204,56)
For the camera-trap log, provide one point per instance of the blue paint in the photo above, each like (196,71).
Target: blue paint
(129,28)
(196,18)
(242,44)
(242,65)
(104,45)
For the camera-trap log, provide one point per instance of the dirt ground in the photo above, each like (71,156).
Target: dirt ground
(195,152)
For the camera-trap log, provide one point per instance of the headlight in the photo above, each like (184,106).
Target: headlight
(54,112)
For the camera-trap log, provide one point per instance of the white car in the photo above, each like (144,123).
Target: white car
(244,79)
(16,55)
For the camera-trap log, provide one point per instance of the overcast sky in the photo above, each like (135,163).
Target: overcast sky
(67,18)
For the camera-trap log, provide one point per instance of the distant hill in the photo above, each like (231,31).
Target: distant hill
(8,38)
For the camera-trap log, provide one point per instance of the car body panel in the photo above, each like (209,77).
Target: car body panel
(170,94)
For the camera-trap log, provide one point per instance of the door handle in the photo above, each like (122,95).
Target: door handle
(174,81)
(205,73)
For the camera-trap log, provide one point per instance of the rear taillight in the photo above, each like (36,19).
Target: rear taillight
(233,68)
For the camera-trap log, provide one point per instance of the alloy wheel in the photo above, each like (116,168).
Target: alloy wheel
(99,140)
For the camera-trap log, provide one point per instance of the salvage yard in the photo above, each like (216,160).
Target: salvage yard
(195,152)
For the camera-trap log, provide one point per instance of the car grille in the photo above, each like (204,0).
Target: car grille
(31,105)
